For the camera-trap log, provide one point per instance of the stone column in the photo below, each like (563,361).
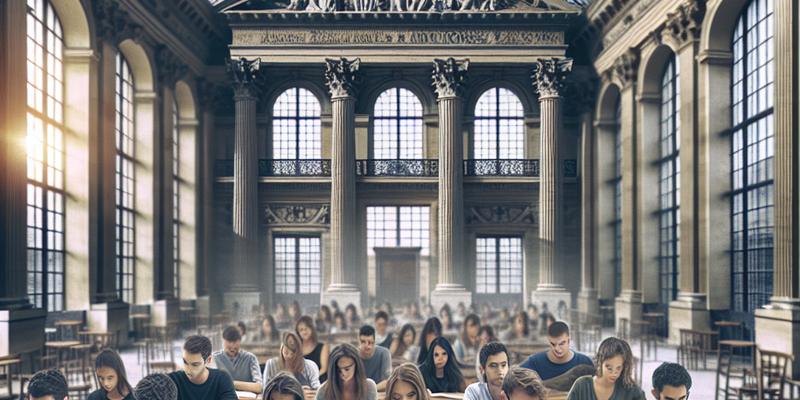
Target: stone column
(245,292)
(341,77)
(449,77)
(548,80)
(778,324)
(588,297)
(689,310)
(20,324)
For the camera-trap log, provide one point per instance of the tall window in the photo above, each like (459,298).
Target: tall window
(398,227)
(499,126)
(498,266)
(398,125)
(617,182)
(125,181)
(297,264)
(45,156)
(753,147)
(296,126)
(176,201)
(669,183)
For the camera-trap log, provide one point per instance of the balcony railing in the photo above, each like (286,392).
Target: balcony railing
(397,167)
(315,167)
(501,168)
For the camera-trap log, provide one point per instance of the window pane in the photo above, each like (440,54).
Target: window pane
(397,125)
(669,178)
(296,126)
(499,126)
(125,181)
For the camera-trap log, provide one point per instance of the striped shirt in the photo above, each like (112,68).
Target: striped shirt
(244,367)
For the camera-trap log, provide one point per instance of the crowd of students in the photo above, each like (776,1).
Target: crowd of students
(305,366)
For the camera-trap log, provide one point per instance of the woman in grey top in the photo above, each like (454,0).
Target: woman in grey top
(614,375)
(346,378)
(291,360)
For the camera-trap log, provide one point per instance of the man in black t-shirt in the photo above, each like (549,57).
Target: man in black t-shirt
(196,381)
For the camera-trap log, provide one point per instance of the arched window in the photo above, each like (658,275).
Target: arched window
(397,126)
(752,151)
(669,183)
(45,156)
(296,126)
(125,181)
(499,126)
(617,182)
(176,200)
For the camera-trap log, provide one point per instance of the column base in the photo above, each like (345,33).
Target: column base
(203,310)
(778,329)
(450,293)
(165,312)
(344,294)
(554,299)
(628,305)
(240,303)
(110,317)
(689,311)
(21,330)
(588,302)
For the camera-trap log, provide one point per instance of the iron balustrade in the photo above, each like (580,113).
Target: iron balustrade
(423,167)
(495,167)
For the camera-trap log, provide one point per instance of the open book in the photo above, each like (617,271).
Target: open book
(245,395)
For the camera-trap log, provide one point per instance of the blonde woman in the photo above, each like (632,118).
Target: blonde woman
(291,360)
(406,383)
(613,378)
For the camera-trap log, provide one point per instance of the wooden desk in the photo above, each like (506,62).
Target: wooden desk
(68,325)
(60,347)
(5,365)
(102,339)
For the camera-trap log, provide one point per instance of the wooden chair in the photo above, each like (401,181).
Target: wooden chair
(158,361)
(731,367)
(768,381)
(78,372)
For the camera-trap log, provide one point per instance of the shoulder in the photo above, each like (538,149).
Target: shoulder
(218,353)
(98,394)
(583,382)
(583,358)
(371,386)
(473,390)
(310,365)
(384,352)
(177,376)
(634,392)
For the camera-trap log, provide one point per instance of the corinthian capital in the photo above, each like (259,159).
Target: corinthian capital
(340,76)
(684,24)
(627,66)
(549,75)
(244,74)
(449,77)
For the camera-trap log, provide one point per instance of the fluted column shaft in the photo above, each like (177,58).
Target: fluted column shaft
(451,203)
(343,193)
(588,281)
(549,190)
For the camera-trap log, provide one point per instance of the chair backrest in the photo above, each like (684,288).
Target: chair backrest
(772,367)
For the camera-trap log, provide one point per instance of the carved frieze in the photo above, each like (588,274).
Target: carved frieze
(579,94)
(506,215)
(685,23)
(341,76)
(306,214)
(627,66)
(114,24)
(396,37)
(549,75)
(449,77)
(244,75)
(415,5)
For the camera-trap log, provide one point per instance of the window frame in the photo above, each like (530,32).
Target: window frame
(398,119)
(297,119)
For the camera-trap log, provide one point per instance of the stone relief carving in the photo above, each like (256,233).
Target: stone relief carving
(549,75)
(309,214)
(685,23)
(427,5)
(341,76)
(449,77)
(627,66)
(507,215)
(113,24)
(244,75)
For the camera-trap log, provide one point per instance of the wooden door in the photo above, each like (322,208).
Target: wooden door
(398,274)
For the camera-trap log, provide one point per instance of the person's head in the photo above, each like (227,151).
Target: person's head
(340,321)
(294,310)
(671,381)
(156,387)
(547,320)
(505,316)
(440,354)
(111,372)
(558,338)
(351,313)
(269,330)
(446,316)
(48,384)
(345,365)
(381,322)
(523,384)
(305,329)
(521,324)
(242,327)
(334,305)
(533,311)
(486,335)
(494,363)
(614,361)
(280,309)
(324,314)
(470,328)
(283,386)
(232,340)
(366,341)
(291,358)
(430,331)
(461,309)
(406,383)
(407,335)
(196,355)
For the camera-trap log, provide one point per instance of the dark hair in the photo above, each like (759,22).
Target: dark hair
(307,321)
(671,374)
(242,327)
(197,344)
(557,329)
(474,318)
(110,359)
(366,330)
(333,386)
(156,387)
(432,325)
(525,321)
(446,310)
(401,345)
(351,307)
(489,330)
(274,334)
(382,314)
(523,379)
(490,349)
(326,313)
(453,379)
(232,334)
(340,315)
(48,382)
(283,383)
(610,348)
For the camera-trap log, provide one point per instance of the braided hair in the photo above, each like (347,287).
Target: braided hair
(156,387)
(49,382)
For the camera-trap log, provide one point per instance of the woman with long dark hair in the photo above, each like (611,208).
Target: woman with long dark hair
(269,331)
(403,345)
(111,377)
(468,343)
(440,369)
(431,330)
(313,349)
(519,330)
(406,383)
(347,378)
(613,378)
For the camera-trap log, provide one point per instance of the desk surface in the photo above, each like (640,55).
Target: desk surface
(68,322)
(62,344)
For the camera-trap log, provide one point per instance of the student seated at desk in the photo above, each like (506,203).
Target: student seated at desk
(671,381)
(112,378)
(403,345)
(156,387)
(383,337)
(347,379)
(291,360)
(519,330)
(559,359)
(468,342)
(49,384)
(351,316)
(523,384)
(283,386)
(377,360)
(313,349)
(196,381)
(241,365)
(324,319)
(269,331)
(430,331)
(339,323)
(613,378)
(406,383)
(493,369)
(440,369)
